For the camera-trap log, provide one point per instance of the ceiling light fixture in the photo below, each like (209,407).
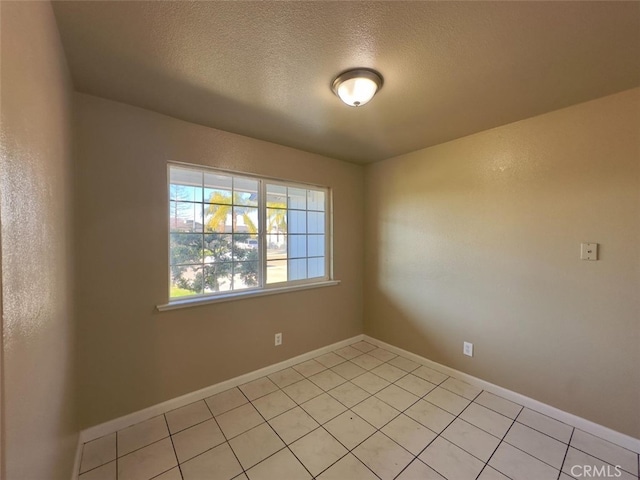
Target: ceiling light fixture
(356,87)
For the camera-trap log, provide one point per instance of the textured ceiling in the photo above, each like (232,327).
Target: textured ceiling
(264,69)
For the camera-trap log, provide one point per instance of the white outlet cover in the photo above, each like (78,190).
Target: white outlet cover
(589,251)
(278,339)
(467,349)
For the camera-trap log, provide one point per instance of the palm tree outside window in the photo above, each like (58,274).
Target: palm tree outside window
(230,232)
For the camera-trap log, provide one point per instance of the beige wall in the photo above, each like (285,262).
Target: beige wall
(35,212)
(478,240)
(132,356)
(475,240)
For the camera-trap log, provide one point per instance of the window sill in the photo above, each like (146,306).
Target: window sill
(195,302)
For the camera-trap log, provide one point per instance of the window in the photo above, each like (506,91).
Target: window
(231,233)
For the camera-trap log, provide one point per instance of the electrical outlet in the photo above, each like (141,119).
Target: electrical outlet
(278,339)
(467,349)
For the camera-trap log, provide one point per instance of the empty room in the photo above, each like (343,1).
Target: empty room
(333,240)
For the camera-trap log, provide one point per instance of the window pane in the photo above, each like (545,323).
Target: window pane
(245,191)
(297,221)
(276,246)
(246,220)
(185,217)
(245,274)
(276,221)
(215,234)
(214,181)
(217,277)
(185,248)
(315,200)
(316,267)
(276,271)
(316,222)
(217,248)
(217,196)
(218,218)
(185,193)
(184,282)
(298,269)
(276,196)
(217,188)
(297,246)
(245,246)
(185,185)
(297,198)
(316,245)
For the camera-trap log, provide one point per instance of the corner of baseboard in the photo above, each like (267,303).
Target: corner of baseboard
(78,457)
(613,436)
(119,423)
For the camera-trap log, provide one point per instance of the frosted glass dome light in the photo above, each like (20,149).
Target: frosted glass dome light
(357,87)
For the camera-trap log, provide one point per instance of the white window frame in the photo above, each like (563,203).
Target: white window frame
(263,288)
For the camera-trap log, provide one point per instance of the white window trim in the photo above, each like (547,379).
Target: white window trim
(242,294)
(266,289)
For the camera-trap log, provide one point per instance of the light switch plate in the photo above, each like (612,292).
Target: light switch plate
(589,251)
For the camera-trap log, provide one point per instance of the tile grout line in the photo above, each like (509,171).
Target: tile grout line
(602,459)
(438,435)
(498,446)
(305,377)
(100,466)
(150,443)
(566,453)
(300,405)
(543,433)
(208,449)
(349,452)
(496,449)
(415,457)
(602,439)
(297,404)
(172,446)
(80,472)
(613,443)
(503,439)
(350,409)
(277,434)
(531,454)
(402,412)
(249,402)
(568,446)
(223,436)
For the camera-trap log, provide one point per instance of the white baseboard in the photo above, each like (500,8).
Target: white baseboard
(112,426)
(585,425)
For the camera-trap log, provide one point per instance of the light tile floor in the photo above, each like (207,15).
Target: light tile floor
(359,413)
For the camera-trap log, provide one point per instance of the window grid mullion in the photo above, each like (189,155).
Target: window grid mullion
(204,274)
(286,203)
(233,232)
(306,238)
(262,234)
